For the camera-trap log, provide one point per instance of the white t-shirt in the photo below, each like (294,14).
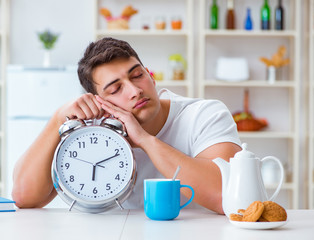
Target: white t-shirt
(192,126)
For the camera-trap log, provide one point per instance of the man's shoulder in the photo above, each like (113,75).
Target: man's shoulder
(199,105)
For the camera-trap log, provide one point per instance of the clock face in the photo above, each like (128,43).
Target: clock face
(94,163)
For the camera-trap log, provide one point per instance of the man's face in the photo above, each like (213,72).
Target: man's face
(126,84)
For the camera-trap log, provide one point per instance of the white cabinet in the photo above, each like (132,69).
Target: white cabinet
(155,46)
(4,46)
(278,102)
(41,91)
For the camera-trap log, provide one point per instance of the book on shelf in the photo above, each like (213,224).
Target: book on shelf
(6,205)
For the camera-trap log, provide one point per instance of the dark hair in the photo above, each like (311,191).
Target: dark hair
(102,51)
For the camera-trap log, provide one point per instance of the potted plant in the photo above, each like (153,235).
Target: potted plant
(48,39)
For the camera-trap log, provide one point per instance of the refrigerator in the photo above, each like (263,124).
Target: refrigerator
(33,95)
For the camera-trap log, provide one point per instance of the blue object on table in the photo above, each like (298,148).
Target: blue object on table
(6,205)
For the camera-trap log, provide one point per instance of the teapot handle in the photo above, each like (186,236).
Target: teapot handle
(271,158)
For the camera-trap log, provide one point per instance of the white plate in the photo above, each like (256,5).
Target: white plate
(258,225)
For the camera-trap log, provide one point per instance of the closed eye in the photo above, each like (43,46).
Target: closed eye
(138,76)
(115,90)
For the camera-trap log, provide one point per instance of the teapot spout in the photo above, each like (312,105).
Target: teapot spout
(224,167)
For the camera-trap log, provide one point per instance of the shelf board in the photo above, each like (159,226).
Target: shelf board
(250,83)
(137,32)
(266,134)
(172,83)
(285,186)
(253,33)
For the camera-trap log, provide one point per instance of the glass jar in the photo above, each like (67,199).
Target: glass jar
(176,23)
(160,23)
(177,67)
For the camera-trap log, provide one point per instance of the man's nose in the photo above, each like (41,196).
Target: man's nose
(134,90)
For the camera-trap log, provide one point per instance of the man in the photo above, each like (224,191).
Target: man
(165,131)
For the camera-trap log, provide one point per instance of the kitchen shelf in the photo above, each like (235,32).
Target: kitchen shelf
(250,83)
(253,33)
(141,33)
(148,43)
(267,134)
(285,186)
(252,45)
(172,83)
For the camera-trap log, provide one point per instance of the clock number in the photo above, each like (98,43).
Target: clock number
(93,140)
(67,165)
(95,191)
(82,186)
(71,178)
(108,187)
(121,164)
(117,151)
(117,177)
(107,143)
(73,154)
(81,144)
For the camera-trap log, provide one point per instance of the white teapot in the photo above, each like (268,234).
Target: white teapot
(242,181)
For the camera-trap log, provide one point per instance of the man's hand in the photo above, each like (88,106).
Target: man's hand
(85,107)
(136,133)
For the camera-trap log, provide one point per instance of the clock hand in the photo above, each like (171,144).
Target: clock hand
(97,163)
(94,170)
(86,161)
(81,160)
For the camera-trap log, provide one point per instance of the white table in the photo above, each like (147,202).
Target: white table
(191,224)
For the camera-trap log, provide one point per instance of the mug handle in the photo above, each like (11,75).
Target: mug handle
(271,158)
(191,198)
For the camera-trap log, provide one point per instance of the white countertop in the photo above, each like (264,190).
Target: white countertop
(55,224)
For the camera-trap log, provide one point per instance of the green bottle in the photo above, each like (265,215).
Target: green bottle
(265,16)
(214,10)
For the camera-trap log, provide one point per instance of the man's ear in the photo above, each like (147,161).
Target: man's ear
(151,75)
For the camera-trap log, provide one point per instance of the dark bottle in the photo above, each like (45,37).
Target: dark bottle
(248,25)
(214,15)
(265,16)
(279,17)
(230,21)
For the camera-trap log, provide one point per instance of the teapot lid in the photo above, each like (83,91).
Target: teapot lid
(244,153)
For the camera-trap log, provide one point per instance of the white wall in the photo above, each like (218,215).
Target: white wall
(73,19)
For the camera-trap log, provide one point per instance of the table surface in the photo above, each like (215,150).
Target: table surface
(133,224)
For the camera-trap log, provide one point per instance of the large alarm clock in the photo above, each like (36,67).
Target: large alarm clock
(93,168)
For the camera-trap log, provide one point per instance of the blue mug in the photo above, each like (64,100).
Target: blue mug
(162,198)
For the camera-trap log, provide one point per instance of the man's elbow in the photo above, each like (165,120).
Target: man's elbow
(22,199)
(26,197)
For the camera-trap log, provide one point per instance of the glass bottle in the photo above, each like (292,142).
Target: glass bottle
(265,16)
(248,25)
(214,17)
(279,16)
(230,23)
(214,14)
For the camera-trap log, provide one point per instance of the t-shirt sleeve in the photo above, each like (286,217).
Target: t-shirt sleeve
(213,123)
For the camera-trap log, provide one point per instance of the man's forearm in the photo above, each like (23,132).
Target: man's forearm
(200,172)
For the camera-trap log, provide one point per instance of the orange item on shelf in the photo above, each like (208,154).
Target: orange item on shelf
(176,24)
(245,120)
